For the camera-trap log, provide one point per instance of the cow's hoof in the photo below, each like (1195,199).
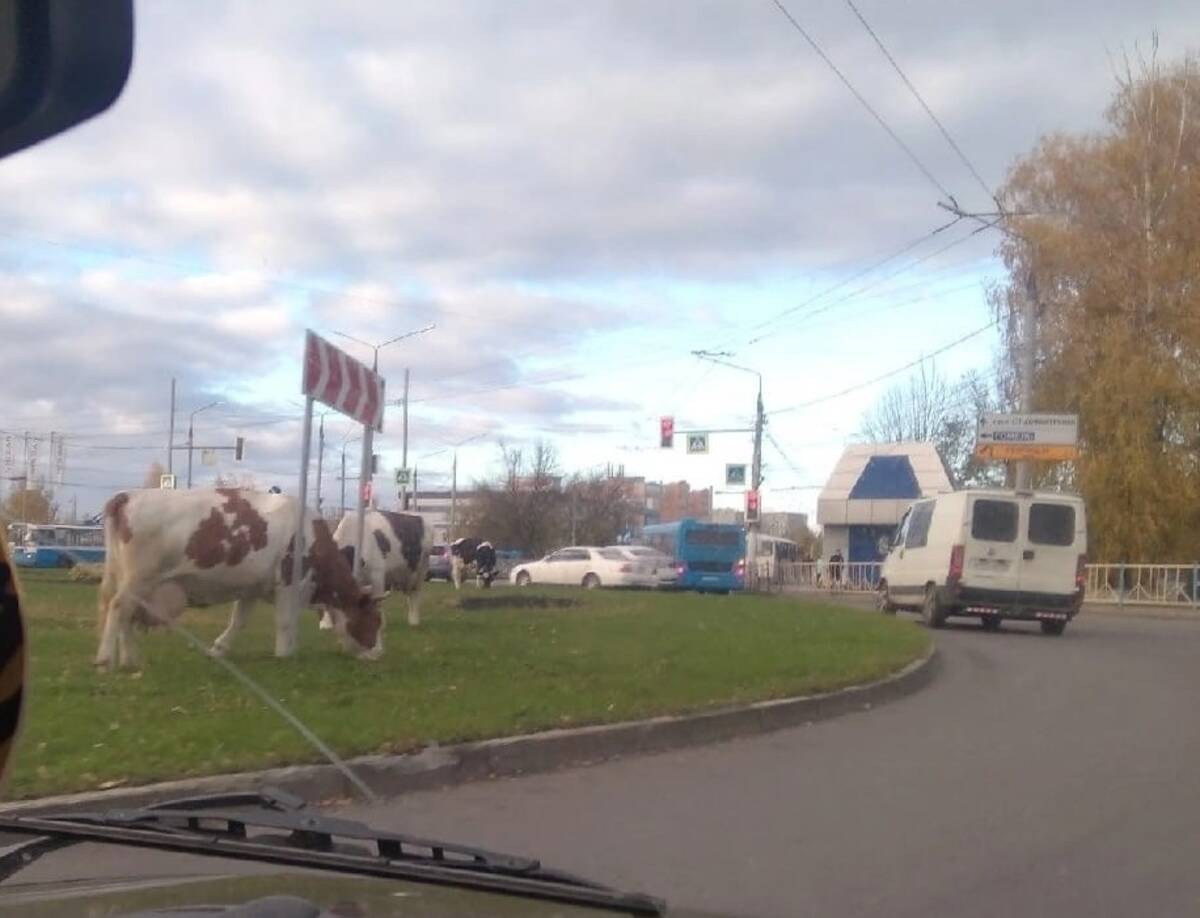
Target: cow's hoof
(103,666)
(326,624)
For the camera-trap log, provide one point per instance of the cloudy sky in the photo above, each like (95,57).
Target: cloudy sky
(577,194)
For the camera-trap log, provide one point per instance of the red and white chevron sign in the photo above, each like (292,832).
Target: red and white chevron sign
(336,379)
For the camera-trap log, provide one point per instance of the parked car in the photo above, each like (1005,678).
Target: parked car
(661,567)
(584,566)
(990,554)
(439,563)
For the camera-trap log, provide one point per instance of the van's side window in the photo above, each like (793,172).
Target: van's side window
(901,536)
(994,521)
(1051,524)
(918,525)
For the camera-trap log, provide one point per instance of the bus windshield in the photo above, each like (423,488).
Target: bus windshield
(725,538)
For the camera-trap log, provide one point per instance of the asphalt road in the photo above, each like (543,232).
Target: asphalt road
(1035,776)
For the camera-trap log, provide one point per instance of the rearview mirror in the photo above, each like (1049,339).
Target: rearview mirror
(61,62)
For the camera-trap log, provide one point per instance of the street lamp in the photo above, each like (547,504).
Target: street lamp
(346,442)
(369,445)
(191,437)
(718,357)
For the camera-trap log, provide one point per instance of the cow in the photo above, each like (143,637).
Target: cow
(462,556)
(166,550)
(395,554)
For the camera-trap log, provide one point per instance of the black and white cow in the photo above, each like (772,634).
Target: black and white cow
(395,554)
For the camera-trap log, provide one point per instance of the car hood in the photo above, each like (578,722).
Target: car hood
(338,896)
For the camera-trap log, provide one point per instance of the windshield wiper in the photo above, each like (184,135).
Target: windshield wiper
(275,827)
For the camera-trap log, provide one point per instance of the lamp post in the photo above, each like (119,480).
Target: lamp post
(191,437)
(369,438)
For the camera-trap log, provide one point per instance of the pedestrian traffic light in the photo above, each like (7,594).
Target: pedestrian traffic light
(239,449)
(753,509)
(374,463)
(667,429)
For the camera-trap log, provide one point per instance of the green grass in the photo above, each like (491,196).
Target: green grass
(466,673)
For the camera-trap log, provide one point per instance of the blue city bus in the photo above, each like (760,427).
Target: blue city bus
(709,557)
(55,544)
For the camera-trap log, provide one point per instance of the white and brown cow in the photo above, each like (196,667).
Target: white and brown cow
(166,550)
(395,554)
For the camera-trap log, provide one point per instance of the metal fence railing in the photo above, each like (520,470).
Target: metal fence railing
(1143,584)
(851,576)
(1118,584)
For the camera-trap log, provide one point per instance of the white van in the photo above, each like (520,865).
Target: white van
(991,554)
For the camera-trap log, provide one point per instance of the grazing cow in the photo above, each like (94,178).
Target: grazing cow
(166,550)
(395,554)
(462,556)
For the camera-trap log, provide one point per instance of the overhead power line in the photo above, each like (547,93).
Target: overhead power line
(874,266)
(875,283)
(890,373)
(862,100)
(917,95)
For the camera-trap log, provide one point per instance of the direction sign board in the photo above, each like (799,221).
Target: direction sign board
(1050,437)
(735,475)
(334,378)
(697,443)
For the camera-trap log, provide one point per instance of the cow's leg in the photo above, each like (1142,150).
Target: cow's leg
(414,605)
(107,651)
(287,625)
(237,621)
(456,572)
(326,619)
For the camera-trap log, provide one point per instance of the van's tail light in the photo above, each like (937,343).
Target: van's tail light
(680,569)
(954,575)
(1081,573)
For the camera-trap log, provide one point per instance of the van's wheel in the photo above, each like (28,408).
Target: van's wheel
(932,609)
(1053,628)
(590,582)
(523,578)
(883,601)
(990,622)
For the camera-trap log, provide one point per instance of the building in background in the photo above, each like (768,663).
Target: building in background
(869,490)
(679,502)
(434,507)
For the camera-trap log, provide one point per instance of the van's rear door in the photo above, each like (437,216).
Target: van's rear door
(992,556)
(1052,533)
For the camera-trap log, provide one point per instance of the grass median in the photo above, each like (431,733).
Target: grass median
(482,664)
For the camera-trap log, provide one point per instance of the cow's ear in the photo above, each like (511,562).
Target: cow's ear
(348,554)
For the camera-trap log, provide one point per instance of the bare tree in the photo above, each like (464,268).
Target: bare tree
(524,507)
(929,408)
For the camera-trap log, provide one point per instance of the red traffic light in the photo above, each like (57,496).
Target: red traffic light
(667,432)
(753,509)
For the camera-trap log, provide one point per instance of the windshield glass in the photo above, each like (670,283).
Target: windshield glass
(492,419)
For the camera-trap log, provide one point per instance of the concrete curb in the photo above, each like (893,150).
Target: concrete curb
(444,766)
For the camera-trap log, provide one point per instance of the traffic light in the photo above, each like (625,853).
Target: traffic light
(239,449)
(374,463)
(667,430)
(753,508)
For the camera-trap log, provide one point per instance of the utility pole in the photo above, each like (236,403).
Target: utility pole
(25,483)
(1026,366)
(191,437)
(342,479)
(321,460)
(752,527)
(171,432)
(453,496)
(404,448)
(756,483)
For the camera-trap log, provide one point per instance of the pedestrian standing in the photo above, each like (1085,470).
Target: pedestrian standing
(835,569)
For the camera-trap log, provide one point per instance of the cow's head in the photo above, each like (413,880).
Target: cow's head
(361,628)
